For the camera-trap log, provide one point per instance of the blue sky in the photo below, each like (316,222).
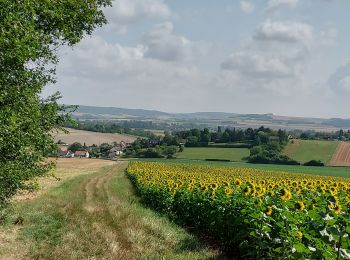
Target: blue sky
(287,57)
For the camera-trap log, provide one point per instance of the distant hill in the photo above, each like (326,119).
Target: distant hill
(120,111)
(212,119)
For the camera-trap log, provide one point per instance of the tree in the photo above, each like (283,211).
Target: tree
(75,147)
(205,136)
(31,33)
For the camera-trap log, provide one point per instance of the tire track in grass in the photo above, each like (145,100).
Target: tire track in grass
(101,218)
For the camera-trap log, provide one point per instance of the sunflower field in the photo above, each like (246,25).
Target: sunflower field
(252,213)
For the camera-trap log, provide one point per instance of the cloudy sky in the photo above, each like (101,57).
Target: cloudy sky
(288,57)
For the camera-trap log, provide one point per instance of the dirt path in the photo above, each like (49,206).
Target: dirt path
(97,216)
(342,155)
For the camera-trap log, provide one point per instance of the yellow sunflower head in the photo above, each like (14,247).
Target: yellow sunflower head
(300,205)
(299,234)
(268,211)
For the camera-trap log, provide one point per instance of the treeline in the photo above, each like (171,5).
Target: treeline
(312,135)
(250,136)
(154,147)
(119,127)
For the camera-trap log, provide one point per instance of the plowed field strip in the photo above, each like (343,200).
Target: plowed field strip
(341,156)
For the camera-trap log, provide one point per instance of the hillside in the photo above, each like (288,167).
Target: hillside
(90,138)
(306,150)
(213,119)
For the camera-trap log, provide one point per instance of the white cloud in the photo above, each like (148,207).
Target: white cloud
(258,66)
(345,83)
(277,4)
(339,81)
(163,44)
(247,7)
(100,73)
(275,58)
(125,12)
(284,31)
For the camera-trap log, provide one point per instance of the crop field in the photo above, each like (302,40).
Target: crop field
(202,153)
(306,150)
(252,213)
(342,155)
(323,171)
(90,138)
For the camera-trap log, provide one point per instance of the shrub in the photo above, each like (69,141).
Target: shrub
(314,163)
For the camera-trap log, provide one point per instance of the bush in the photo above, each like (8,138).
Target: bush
(217,160)
(228,145)
(150,153)
(314,163)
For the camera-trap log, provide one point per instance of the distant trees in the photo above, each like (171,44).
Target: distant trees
(253,137)
(125,127)
(154,147)
(314,135)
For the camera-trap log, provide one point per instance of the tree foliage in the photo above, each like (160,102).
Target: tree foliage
(31,32)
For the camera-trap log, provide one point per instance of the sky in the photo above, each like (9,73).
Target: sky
(287,57)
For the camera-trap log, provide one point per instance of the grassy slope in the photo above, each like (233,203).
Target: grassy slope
(233,154)
(325,171)
(96,216)
(306,150)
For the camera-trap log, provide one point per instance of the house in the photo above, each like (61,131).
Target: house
(69,154)
(116,151)
(61,153)
(65,153)
(82,154)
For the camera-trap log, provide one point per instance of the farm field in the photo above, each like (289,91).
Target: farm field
(92,213)
(202,153)
(306,150)
(323,171)
(342,155)
(252,213)
(91,138)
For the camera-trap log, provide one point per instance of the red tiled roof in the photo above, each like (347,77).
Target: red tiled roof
(80,153)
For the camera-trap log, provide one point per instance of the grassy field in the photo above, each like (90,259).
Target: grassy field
(93,214)
(323,171)
(201,153)
(306,150)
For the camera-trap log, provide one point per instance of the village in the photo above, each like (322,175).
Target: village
(103,151)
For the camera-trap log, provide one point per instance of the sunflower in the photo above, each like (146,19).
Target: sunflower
(238,182)
(214,186)
(268,211)
(300,205)
(337,208)
(246,191)
(299,234)
(285,194)
(228,191)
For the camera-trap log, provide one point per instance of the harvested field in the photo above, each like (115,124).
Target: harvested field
(90,138)
(341,156)
(67,168)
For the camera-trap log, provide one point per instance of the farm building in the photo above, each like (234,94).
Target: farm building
(65,153)
(82,154)
(116,151)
